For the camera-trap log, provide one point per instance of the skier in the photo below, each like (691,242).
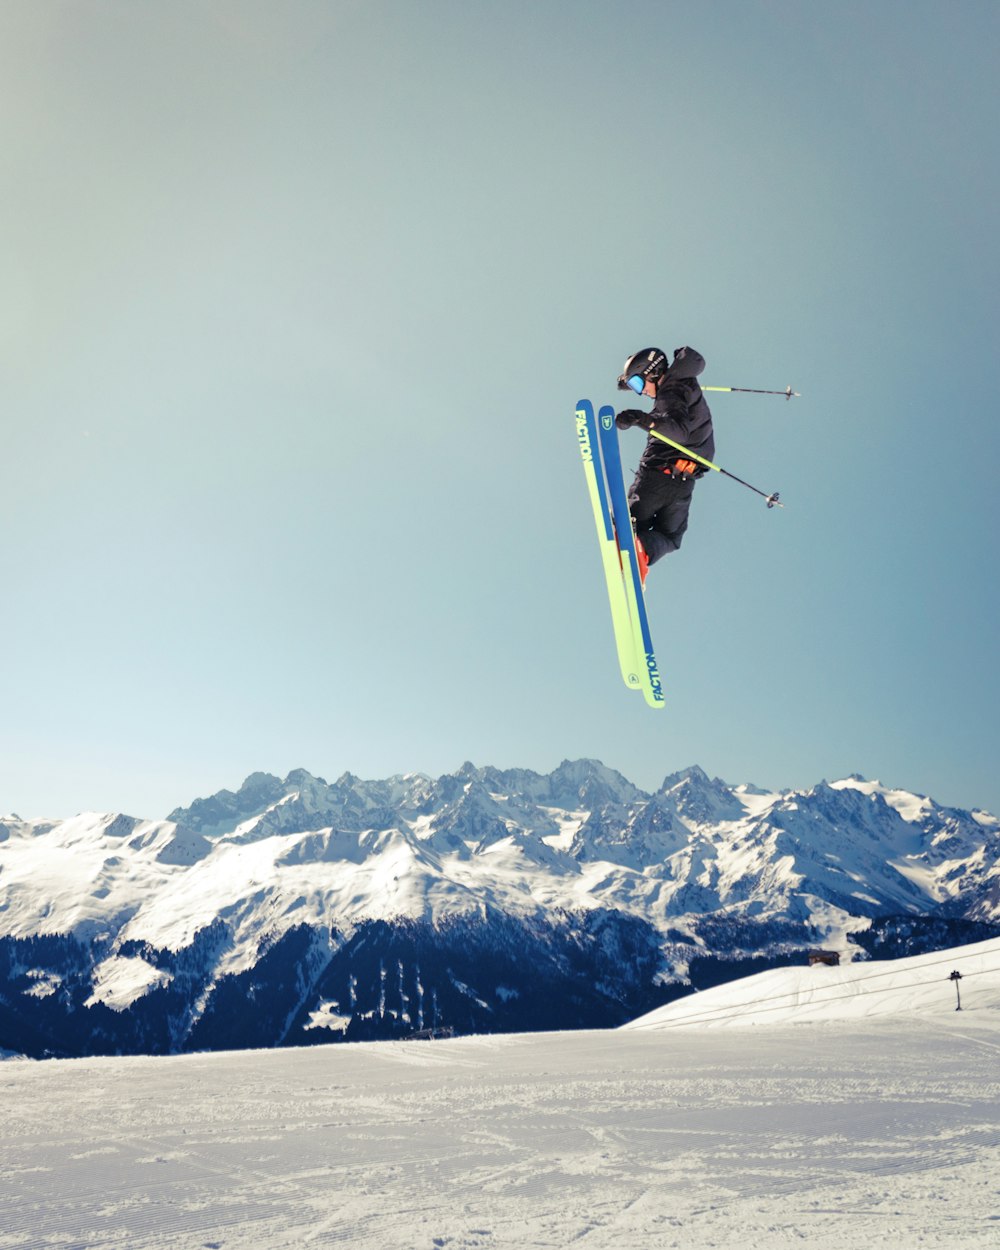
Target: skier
(660,496)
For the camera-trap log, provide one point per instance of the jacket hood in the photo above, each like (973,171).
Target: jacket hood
(687,363)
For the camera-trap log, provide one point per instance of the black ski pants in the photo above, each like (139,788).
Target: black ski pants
(659,505)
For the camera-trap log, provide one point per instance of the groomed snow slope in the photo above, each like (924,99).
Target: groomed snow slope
(832,1135)
(894,987)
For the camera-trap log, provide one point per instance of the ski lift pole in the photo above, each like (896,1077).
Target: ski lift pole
(750,390)
(771,500)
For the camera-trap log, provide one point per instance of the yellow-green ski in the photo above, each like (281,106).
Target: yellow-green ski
(649,676)
(614,574)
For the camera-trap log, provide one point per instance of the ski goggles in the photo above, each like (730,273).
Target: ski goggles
(635,382)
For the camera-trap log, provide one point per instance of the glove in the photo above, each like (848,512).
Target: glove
(631,416)
(682,469)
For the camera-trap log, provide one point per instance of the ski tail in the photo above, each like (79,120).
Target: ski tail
(621,617)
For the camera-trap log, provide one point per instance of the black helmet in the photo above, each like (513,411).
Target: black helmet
(645,366)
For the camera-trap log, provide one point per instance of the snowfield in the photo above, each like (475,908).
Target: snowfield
(833,1133)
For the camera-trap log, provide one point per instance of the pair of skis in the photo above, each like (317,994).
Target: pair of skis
(602,466)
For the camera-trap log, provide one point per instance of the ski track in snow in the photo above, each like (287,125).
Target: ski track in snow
(827,1134)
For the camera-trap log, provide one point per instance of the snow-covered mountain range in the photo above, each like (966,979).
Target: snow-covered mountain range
(297,910)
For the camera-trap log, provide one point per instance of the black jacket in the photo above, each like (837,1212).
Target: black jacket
(679,412)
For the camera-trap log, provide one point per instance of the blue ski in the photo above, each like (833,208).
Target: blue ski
(650,683)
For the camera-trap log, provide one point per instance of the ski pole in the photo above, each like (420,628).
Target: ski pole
(750,390)
(771,500)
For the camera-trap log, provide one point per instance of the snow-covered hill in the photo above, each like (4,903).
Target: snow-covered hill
(922,985)
(481,899)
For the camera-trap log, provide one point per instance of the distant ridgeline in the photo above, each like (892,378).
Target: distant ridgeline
(294,912)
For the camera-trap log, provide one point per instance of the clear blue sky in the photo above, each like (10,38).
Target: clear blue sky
(298,301)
